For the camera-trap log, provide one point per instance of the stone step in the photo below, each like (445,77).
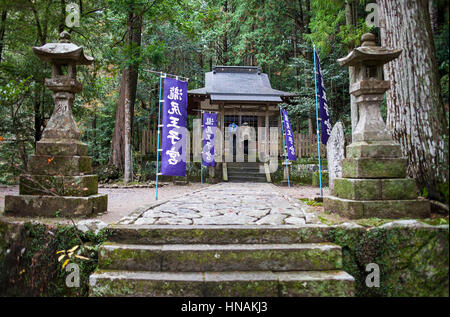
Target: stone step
(246,180)
(244,163)
(244,166)
(218,234)
(230,284)
(245,173)
(218,257)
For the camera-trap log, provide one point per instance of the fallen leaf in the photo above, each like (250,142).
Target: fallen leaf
(73,249)
(64,264)
(81,257)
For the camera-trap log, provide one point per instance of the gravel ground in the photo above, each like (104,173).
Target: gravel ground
(297,191)
(122,201)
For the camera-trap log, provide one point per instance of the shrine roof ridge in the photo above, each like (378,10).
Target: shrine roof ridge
(234,83)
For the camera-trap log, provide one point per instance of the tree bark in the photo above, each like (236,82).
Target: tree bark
(415,109)
(351,19)
(123,130)
(2,31)
(433,16)
(62,21)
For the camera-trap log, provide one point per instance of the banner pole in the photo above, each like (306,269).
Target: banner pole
(284,147)
(201,146)
(317,120)
(159,131)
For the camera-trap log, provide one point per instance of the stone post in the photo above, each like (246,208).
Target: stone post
(59,181)
(373,182)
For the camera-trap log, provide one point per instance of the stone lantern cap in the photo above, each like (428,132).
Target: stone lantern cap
(63,52)
(368,53)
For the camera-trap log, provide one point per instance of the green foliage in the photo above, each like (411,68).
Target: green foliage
(183,37)
(15,132)
(32,262)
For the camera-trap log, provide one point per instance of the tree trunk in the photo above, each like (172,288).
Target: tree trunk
(123,130)
(415,109)
(2,31)
(351,19)
(62,21)
(433,16)
(310,126)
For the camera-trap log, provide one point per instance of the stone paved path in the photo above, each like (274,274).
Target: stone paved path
(226,204)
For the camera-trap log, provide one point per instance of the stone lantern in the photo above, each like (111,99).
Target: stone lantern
(59,181)
(373,182)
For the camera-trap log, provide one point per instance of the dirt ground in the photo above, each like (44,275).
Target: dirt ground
(122,201)
(297,191)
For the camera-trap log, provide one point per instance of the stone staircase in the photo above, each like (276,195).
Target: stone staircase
(245,172)
(235,261)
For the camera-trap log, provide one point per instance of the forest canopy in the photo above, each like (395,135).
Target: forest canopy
(185,37)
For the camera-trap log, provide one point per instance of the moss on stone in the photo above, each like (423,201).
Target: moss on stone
(31,268)
(316,181)
(413,261)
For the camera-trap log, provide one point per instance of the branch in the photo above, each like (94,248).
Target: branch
(440,206)
(121,40)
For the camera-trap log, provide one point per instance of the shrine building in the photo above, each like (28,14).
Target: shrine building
(241,96)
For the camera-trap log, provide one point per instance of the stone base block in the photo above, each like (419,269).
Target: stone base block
(387,209)
(55,206)
(375,150)
(374,168)
(61,147)
(59,165)
(375,189)
(79,186)
(212,180)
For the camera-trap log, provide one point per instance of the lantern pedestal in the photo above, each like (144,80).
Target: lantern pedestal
(373,182)
(59,181)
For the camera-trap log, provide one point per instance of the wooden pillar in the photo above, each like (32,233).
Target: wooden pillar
(280,138)
(222,129)
(267,129)
(260,123)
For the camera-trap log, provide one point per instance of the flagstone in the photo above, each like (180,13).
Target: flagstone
(225,220)
(227,204)
(272,219)
(145,221)
(173,221)
(294,221)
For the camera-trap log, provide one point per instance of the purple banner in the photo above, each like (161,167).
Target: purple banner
(209,138)
(173,159)
(322,96)
(289,136)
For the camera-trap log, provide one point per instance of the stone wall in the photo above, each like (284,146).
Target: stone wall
(29,264)
(413,257)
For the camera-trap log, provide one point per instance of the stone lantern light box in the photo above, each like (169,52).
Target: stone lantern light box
(59,180)
(373,182)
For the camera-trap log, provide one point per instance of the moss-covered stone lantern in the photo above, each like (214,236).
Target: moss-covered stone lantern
(59,181)
(373,182)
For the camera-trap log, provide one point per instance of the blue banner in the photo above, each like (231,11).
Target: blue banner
(209,138)
(289,136)
(173,159)
(322,96)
